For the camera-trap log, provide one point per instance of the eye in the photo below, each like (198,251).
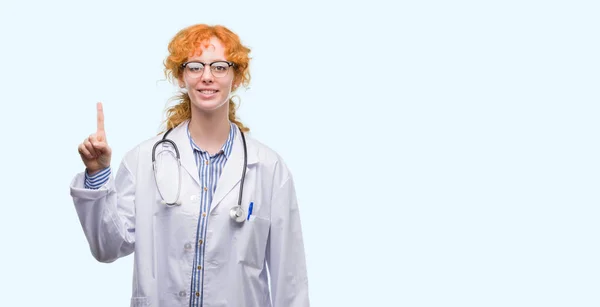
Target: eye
(194,67)
(220,66)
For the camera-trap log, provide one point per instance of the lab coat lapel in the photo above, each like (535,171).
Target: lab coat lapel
(232,172)
(188,161)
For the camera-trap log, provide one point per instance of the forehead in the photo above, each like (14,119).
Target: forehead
(209,50)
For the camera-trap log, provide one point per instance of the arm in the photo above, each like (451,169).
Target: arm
(106,212)
(285,250)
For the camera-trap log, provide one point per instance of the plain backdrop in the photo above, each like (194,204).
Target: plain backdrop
(445,152)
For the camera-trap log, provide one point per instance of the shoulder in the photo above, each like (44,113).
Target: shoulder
(146,146)
(140,152)
(269,159)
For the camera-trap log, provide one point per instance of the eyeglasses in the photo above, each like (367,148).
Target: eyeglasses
(195,69)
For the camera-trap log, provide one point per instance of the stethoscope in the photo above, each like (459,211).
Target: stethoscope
(236,213)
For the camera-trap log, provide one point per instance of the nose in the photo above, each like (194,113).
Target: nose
(207,76)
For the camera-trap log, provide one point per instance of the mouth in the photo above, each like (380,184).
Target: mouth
(208,92)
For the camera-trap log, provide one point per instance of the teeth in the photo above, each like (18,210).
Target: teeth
(208,92)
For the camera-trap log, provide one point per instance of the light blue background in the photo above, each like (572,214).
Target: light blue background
(445,152)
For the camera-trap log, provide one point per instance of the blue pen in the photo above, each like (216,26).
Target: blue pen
(250,210)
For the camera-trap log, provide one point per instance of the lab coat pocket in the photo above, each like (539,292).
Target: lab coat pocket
(251,241)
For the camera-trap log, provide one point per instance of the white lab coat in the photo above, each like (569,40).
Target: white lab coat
(126,216)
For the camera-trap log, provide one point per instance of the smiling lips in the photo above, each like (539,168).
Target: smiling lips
(206,93)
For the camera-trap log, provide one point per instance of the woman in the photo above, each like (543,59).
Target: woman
(191,249)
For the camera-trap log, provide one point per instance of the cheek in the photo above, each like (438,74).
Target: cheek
(225,85)
(189,83)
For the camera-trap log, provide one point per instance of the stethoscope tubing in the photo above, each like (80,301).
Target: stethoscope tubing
(237,212)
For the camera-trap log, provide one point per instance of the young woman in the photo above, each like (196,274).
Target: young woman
(197,238)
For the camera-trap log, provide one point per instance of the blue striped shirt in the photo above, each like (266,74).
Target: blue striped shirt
(97,180)
(209,171)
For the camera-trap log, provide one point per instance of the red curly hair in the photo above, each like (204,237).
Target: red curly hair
(185,44)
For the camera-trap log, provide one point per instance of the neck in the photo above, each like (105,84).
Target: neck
(210,130)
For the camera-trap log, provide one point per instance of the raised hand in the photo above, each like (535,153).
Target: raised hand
(94,150)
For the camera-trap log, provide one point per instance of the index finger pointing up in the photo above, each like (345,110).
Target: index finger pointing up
(100,112)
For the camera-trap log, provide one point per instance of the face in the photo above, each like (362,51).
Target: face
(208,87)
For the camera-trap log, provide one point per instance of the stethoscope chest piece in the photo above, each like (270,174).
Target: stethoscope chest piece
(237,214)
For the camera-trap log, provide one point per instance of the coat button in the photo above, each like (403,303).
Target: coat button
(182,293)
(188,246)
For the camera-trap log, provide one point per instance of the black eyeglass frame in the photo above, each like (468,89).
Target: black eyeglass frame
(229,64)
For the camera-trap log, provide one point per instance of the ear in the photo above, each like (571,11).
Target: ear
(180,82)
(235,84)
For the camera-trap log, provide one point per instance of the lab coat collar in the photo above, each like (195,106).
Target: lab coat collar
(232,172)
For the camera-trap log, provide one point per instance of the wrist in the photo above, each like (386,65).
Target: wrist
(93,172)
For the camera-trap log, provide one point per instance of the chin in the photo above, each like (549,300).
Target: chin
(209,105)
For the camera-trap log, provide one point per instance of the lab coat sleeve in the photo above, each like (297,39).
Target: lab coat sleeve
(285,250)
(107,215)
